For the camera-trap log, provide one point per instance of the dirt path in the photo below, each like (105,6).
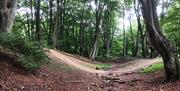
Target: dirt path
(76,63)
(133,66)
(88,67)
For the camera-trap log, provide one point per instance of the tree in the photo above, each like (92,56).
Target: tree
(37,14)
(171,24)
(124,32)
(98,14)
(159,42)
(7,14)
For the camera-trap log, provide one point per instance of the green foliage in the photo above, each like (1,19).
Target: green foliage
(153,68)
(117,46)
(103,66)
(171,24)
(77,26)
(31,53)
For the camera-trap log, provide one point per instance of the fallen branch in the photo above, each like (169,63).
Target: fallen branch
(120,81)
(76,81)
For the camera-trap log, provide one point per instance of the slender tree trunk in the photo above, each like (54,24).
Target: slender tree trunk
(140,30)
(51,21)
(7,14)
(37,14)
(98,13)
(124,32)
(32,20)
(61,24)
(137,45)
(132,36)
(28,32)
(158,40)
(81,50)
(127,44)
(94,50)
(57,27)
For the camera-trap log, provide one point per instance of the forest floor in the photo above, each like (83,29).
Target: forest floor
(67,72)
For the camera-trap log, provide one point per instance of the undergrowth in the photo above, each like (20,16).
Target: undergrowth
(31,55)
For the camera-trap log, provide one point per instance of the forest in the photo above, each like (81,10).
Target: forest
(89,45)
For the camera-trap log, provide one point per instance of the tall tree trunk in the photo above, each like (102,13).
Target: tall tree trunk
(32,20)
(94,51)
(37,14)
(28,32)
(81,30)
(51,21)
(57,27)
(141,39)
(137,45)
(7,14)
(132,35)
(124,32)
(158,40)
(98,14)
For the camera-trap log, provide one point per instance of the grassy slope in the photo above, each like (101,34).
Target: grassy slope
(153,68)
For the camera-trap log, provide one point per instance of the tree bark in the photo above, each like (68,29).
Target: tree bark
(56,29)
(37,14)
(142,37)
(132,35)
(51,22)
(159,42)
(32,20)
(81,30)
(98,14)
(124,33)
(7,14)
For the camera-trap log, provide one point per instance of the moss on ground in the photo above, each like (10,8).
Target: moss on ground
(103,66)
(153,68)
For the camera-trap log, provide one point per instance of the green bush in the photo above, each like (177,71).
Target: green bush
(31,53)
